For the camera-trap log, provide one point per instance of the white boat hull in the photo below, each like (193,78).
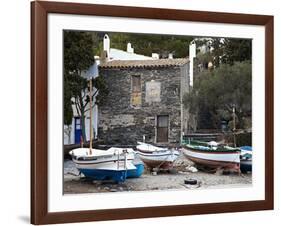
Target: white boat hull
(156,157)
(110,165)
(213,159)
(167,156)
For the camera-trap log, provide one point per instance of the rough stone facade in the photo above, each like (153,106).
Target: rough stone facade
(162,89)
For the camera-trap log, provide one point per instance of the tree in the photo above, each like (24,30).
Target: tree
(236,50)
(216,92)
(67,110)
(226,50)
(78,57)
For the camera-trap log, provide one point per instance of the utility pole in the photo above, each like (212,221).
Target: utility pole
(91,127)
(234,125)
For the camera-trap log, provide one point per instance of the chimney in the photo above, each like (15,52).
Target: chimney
(106,45)
(155,56)
(129,48)
(170,56)
(192,54)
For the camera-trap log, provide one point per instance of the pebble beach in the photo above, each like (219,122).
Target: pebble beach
(162,180)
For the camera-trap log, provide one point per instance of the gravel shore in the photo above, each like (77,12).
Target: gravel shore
(75,183)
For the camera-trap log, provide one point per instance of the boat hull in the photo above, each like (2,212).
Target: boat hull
(246,165)
(162,160)
(112,174)
(246,159)
(99,174)
(213,159)
(106,165)
(157,164)
(135,173)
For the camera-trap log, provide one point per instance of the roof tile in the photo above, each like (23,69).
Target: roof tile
(144,63)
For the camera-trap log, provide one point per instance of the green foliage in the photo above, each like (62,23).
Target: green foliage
(242,139)
(78,51)
(161,44)
(146,44)
(216,92)
(78,57)
(100,84)
(67,105)
(235,50)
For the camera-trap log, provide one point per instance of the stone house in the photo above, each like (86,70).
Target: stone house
(144,101)
(73,132)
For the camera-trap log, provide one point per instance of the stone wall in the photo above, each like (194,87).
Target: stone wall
(121,123)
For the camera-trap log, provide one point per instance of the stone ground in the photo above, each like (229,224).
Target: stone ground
(75,183)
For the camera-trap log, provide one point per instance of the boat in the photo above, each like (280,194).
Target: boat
(212,155)
(156,157)
(115,164)
(137,172)
(246,159)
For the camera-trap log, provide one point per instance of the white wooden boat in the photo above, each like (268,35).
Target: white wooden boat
(111,164)
(212,155)
(156,157)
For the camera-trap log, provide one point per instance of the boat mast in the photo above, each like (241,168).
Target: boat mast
(91,129)
(234,126)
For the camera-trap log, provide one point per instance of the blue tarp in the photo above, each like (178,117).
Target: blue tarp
(246,148)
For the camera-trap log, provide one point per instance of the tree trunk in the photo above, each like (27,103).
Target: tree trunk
(69,133)
(83,127)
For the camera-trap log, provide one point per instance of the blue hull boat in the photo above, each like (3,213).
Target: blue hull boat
(246,159)
(117,176)
(114,164)
(135,173)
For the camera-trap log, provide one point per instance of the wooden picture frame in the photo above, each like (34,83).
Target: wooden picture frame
(39,112)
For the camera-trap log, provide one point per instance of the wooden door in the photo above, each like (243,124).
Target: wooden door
(77,130)
(162,128)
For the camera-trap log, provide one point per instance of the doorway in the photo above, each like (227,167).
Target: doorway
(77,130)
(162,128)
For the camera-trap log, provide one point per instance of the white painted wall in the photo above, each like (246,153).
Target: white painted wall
(192,55)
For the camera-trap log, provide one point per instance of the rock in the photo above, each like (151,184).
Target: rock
(219,172)
(113,190)
(182,172)
(172,171)
(191,169)
(155,170)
